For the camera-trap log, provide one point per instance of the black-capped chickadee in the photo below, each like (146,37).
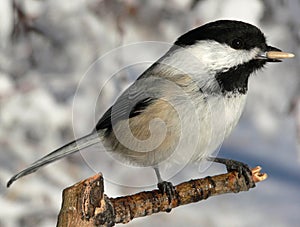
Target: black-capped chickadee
(183,106)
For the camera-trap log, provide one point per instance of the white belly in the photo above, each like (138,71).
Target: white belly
(194,128)
(217,117)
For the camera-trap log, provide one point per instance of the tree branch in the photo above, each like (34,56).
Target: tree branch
(85,204)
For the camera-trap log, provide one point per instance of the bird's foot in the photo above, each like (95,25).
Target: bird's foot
(167,188)
(242,169)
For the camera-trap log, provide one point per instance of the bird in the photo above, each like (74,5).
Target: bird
(184,105)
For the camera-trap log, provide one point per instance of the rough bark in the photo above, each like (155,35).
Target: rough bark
(85,204)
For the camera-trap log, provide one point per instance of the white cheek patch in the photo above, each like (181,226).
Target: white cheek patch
(218,57)
(202,61)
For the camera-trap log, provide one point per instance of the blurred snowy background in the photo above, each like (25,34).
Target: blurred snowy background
(47,46)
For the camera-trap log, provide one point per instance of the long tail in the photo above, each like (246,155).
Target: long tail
(68,149)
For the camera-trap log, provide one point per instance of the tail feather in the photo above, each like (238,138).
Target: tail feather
(68,149)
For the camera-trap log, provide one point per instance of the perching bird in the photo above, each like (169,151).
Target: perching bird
(183,106)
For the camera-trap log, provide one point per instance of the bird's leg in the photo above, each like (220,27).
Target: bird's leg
(165,187)
(233,165)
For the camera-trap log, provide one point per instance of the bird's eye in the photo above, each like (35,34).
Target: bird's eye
(237,44)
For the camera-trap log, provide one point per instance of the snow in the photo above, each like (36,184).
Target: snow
(50,92)
(231,9)
(6,22)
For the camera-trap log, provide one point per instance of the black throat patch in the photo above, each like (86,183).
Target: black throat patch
(235,79)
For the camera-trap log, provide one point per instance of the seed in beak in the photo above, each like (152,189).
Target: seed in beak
(279,55)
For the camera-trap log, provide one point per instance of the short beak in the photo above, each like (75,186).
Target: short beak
(272,54)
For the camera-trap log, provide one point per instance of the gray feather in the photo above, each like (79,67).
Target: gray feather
(68,149)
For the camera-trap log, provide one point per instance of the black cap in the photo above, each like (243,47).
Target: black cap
(237,34)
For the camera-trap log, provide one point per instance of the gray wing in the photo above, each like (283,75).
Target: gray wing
(131,103)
